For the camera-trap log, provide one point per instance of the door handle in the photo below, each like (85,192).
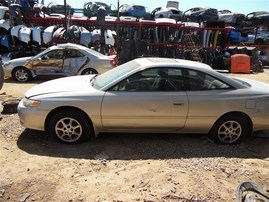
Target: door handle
(178,103)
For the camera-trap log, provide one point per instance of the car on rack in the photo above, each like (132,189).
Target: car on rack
(258,18)
(258,37)
(231,17)
(148,95)
(62,60)
(166,12)
(237,36)
(137,11)
(200,14)
(54,7)
(90,9)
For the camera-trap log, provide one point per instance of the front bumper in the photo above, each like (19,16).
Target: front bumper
(32,117)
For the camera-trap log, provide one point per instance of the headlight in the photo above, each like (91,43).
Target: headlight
(6,64)
(30,103)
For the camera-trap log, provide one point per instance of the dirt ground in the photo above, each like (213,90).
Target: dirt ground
(125,167)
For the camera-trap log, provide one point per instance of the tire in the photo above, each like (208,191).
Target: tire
(89,71)
(230,129)
(22,74)
(70,126)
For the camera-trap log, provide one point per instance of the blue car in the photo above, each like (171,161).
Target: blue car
(237,36)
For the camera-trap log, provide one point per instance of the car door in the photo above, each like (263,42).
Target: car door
(49,63)
(73,61)
(147,100)
(208,100)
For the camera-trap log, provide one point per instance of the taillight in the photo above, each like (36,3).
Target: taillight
(114,62)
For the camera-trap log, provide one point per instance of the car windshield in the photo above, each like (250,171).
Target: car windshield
(104,79)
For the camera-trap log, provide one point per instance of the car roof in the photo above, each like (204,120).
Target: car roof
(70,45)
(157,61)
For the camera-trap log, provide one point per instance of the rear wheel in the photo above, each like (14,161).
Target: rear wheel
(229,130)
(89,71)
(70,126)
(22,74)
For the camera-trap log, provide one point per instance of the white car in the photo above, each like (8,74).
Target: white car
(163,12)
(148,95)
(62,59)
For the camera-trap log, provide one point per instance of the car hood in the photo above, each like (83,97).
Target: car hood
(20,60)
(67,84)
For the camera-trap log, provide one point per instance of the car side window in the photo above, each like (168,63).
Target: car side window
(155,79)
(55,54)
(72,53)
(196,80)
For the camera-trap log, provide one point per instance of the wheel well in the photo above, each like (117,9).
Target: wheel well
(12,73)
(243,116)
(89,68)
(65,108)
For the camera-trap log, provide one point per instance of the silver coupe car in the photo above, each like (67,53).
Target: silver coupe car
(62,59)
(148,95)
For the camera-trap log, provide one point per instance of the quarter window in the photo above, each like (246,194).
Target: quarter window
(197,80)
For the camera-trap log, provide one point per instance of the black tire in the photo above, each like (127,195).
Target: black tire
(229,130)
(89,71)
(70,126)
(22,74)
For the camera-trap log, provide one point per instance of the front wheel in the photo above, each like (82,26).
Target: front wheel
(89,71)
(22,74)
(70,126)
(229,130)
